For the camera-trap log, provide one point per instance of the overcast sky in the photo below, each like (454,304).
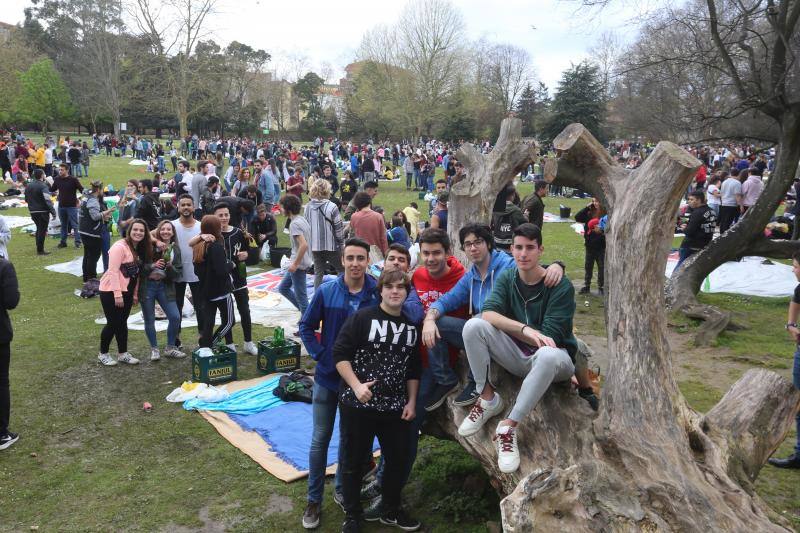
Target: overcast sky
(555,32)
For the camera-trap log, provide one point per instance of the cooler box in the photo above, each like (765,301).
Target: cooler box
(273,358)
(564,211)
(220,368)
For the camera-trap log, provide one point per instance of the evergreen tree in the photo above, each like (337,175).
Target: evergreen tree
(579,98)
(526,110)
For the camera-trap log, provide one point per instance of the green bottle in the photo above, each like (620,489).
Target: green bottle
(167,257)
(277,336)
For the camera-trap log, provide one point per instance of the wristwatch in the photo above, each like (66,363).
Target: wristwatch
(791,325)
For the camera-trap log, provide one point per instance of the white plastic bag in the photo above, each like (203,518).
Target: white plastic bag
(264,255)
(285,262)
(201,391)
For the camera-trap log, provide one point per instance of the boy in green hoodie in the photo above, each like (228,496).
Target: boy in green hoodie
(526,328)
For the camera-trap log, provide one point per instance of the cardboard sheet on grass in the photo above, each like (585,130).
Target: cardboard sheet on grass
(278,439)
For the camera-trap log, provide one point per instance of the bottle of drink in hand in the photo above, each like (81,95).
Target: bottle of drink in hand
(242,269)
(167,257)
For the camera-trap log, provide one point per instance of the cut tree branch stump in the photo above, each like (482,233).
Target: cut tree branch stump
(645,461)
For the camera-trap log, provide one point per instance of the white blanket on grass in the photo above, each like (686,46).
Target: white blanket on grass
(749,277)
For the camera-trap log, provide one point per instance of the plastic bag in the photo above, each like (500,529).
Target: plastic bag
(201,391)
(285,262)
(264,255)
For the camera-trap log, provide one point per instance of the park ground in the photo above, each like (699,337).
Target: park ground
(89,458)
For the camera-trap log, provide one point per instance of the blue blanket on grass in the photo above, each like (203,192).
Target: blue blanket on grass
(251,400)
(288,429)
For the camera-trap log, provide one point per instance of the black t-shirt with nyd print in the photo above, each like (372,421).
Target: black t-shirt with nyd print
(381,348)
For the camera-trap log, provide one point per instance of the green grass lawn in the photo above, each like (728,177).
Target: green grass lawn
(90,459)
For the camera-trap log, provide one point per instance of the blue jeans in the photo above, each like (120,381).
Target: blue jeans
(293,287)
(450,329)
(324,405)
(684,254)
(161,167)
(76,170)
(796,379)
(86,171)
(69,219)
(156,291)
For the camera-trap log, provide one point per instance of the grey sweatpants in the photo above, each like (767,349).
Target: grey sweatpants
(484,343)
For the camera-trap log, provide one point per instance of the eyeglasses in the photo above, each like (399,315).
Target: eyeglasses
(475,243)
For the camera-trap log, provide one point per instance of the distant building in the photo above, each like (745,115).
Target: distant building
(5,31)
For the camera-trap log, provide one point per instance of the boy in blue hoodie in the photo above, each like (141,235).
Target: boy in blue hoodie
(330,306)
(440,331)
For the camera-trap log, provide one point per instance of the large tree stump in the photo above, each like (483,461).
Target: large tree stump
(646,461)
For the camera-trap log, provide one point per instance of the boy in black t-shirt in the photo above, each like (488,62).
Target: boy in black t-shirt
(793,461)
(377,355)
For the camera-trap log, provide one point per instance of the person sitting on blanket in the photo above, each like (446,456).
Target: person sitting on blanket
(377,355)
(330,306)
(525,327)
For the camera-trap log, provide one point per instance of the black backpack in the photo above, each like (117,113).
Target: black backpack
(295,387)
(503,230)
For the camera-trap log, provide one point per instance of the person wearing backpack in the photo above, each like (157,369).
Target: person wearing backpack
(594,242)
(505,218)
(327,230)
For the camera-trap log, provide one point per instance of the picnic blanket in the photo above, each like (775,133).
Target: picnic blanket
(14,221)
(278,438)
(550,217)
(750,277)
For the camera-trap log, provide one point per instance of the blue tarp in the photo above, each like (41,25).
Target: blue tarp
(251,400)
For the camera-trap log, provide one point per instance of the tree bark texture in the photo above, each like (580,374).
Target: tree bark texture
(472,199)
(646,461)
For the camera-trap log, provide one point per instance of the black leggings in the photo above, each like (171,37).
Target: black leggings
(92,250)
(42,220)
(116,319)
(225,307)
(5,390)
(243,305)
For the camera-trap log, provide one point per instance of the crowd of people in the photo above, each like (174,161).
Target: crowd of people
(385,348)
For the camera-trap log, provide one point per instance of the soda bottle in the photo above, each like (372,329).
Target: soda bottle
(167,257)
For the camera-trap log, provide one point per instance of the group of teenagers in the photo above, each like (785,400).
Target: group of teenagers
(386,354)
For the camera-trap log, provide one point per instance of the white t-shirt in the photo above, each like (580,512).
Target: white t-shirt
(183,235)
(711,199)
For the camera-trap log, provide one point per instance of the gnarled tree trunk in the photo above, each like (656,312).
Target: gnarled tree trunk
(646,461)
(471,200)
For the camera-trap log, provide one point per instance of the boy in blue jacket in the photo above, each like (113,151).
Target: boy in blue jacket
(331,305)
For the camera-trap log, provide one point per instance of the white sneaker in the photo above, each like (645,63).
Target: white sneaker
(232,346)
(174,352)
(478,415)
(106,359)
(155,355)
(507,449)
(250,347)
(127,359)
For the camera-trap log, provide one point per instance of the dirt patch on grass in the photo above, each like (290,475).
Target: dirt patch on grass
(209,524)
(277,504)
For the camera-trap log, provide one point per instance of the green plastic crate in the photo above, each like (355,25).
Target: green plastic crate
(278,358)
(219,368)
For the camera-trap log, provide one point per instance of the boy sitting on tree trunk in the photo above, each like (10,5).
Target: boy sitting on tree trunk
(526,328)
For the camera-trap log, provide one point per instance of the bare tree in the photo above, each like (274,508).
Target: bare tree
(174,28)
(431,33)
(506,70)
(606,55)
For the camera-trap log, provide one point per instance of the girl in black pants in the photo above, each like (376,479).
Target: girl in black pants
(214,271)
(118,290)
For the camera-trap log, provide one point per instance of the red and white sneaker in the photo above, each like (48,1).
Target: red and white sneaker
(479,414)
(507,449)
